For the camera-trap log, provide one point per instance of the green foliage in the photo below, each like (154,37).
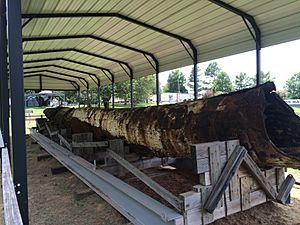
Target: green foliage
(222,83)
(210,74)
(175,82)
(105,93)
(190,83)
(242,81)
(71,97)
(293,86)
(265,77)
(143,88)
(122,90)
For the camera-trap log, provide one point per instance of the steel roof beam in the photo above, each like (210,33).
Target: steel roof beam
(79,51)
(71,61)
(83,36)
(81,79)
(182,40)
(248,19)
(66,68)
(57,78)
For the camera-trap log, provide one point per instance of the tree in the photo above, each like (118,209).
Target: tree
(264,77)
(71,97)
(293,86)
(210,73)
(105,93)
(122,90)
(222,83)
(175,82)
(242,81)
(190,83)
(143,88)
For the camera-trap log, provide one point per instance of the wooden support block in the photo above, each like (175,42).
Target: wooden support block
(222,183)
(87,153)
(280,177)
(285,189)
(43,157)
(245,193)
(58,170)
(204,179)
(259,177)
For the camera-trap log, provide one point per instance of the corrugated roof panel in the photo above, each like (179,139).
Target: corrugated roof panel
(214,31)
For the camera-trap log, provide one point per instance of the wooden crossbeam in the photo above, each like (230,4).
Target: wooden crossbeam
(89,144)
(285,189)
(65,142)
(222,183)
(165,194)
(260,178)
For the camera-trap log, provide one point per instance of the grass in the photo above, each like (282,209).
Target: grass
(297,110)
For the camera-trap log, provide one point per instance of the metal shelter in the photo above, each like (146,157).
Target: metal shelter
(70,45)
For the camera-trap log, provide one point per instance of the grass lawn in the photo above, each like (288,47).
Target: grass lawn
(297,110)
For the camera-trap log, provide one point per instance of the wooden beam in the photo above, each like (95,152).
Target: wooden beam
(165,194)
(89,144)
(1,141)
(65,142)
(12,214)
(285,189)
(222,183)
(259,177)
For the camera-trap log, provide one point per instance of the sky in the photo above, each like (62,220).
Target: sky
(282,61)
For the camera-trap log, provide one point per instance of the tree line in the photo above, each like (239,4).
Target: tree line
(213,81)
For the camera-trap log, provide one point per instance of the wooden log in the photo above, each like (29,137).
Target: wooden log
(251,116)
(285,189)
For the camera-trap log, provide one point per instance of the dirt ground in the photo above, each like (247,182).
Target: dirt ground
(52,201)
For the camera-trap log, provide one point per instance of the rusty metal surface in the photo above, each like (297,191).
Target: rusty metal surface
(263,123)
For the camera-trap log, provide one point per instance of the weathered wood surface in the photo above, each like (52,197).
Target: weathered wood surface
(265,125)
(12,214)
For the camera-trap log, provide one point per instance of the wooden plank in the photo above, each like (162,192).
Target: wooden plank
(64,142)
(87,144)
(285,189)
(245,193)
(165,194)
(221,185)
(215,166)
(280,177)
(200,151)
(204,179)
(117,145)
(259,177)
(1,140)
(234,187)
(12,214)
(51,131)
(257,197)
(87,153)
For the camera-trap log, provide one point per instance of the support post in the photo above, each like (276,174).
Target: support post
(17,105)
(258,60)
(99,96)
(4,75)
(131,92)
(113,93)
(195,71)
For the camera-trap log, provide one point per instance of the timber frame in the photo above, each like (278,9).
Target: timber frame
(229,180)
